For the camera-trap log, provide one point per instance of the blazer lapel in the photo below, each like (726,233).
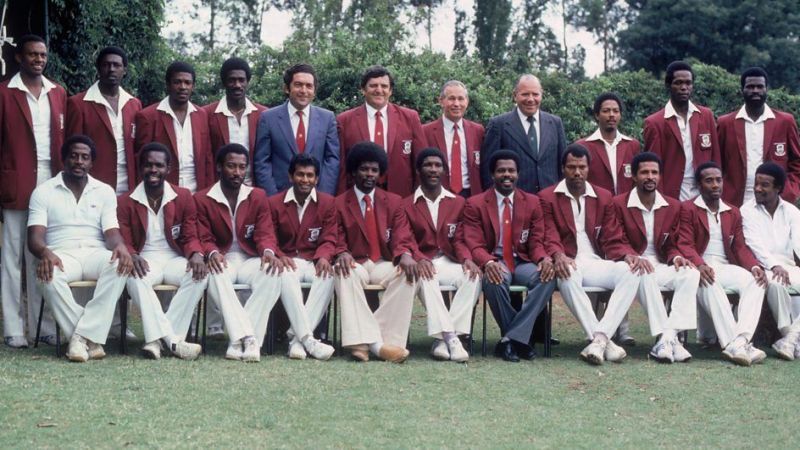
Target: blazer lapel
(438,132)
(727,232)
(169,127)
(544,134)
(769,130)
(285,124)
(422,208)
(311,212)
(672,123)
(565,205)
(394,123)
(141,215)
(100,110)
(22,101)
(738,129)
(592,221)
(601,153)
(491,207)
(222,120)
(252,126)
(517,132)
(694,128)
(362,122)
(290,209)
(355,211)
(379,206)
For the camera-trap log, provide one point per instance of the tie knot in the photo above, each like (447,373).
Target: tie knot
(367,201)
(506,201)
(300,113)
(378,114)
(531,119)
(455,127)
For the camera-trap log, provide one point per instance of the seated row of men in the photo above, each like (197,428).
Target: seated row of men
(573,235)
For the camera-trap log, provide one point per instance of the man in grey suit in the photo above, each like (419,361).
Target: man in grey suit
(296,127)
(536,136)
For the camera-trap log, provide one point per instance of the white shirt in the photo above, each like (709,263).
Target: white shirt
(648,216)
(360,196)
(40,117)
(579,215)
(301,209)
(449,133)
(500,209)
(433,205)
(775,240)
(238,131)
(156,240)
(611,151)
(688,188)
(715,251)
(216,193)
(73,223)
(536,125)
(183,138)
(371,123)
(94,95)
(754,146)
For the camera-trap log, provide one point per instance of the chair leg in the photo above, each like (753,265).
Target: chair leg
(205,317)
(483,338)
(471,342)
(39,325)
(270,338)
(337,344)
(58,340)
(123,319)
(548,324)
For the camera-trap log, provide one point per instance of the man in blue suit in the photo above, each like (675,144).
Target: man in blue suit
(296,127)
(536,136)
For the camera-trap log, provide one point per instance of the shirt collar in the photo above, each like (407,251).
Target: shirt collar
(222,107)
(448,124)
(289,198)
(669,110)
(91,184)
(93,94)
(140,195)
(216,193)
(371,111)
(444,194)
(499,197)
(635,202)
(524,118)
(16,83)
(597,136)
(164,106)
(360,196)
(702,204)
(767,114)
(561,188)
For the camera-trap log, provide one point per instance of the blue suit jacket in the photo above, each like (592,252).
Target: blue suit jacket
(276,145)
(537,171)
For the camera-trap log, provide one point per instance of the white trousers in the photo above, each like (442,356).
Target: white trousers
(88,263)
(459,317)
(713,300)
(683,283)
(15,253)
(781,303)
(390,322)
(603,274)
(319,295)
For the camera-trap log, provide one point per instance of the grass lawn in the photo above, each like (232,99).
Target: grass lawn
(126,401)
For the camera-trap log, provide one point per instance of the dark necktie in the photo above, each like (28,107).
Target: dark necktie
(532,135)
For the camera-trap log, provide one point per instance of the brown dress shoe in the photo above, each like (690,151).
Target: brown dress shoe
(360,352)
(391,353)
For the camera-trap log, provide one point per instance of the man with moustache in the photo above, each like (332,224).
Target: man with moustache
(182,127)
(712,239)
(234,118)
(73,231)
(105,112)
(296,127)
(31,133)
(459,140)
(579,213)
(772,231)
(683,135)
(756,134)
(536,136)
(443,259)
(644,234)
(394,128)
(504,231)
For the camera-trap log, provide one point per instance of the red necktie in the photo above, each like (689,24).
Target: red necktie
(300,138)
(455,162)
(372,230)
(378,129)
(508,246)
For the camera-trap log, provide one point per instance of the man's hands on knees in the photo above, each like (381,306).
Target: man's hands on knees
(706,275)
(639,265)
(344,264)
(48,261)
(140,266)
(495,272)
(125,261)
(760,275)
(409,267)
(781,275)
(197,265)
(471,269)
(563,265)
(323,268)
(216,263)
(273,264)
(547,270)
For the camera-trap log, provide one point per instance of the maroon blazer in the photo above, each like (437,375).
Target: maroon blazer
(394,235)
(180,223)
(781,146)
(694,235)
(434,135)
(312,238)
(91,119)
(153,125)
(254,229)
(482,227)
(600,168)
(220,134)
(18,146)
(628,236)
(560,223)
(405,139)
(447,235)
(663,137)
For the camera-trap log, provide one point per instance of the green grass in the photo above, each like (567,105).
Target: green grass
(126,401)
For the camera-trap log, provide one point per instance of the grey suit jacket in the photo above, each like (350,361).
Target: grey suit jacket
(537,170)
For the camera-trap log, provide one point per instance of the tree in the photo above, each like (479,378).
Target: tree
(460,33)
(600,17)
(423,13)
(492,26)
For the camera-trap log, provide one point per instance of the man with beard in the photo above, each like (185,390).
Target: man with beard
(756,134)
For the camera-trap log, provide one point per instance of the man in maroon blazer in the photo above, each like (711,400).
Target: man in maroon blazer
(374,246)
(611,151)
(504,230)
(756,134)
(105,112)
(643,233)
(577,213)
(456,136)
(158,222)
(435,216)
(305,226)
(682,134)
(234,118)
(183,127)
(394,128)
(712,239)
(31,133)
(236,232)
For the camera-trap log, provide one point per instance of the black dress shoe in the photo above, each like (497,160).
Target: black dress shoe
(526,352)
(506,351)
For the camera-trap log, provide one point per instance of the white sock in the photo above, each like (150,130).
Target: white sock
(668,335)
(375,347)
